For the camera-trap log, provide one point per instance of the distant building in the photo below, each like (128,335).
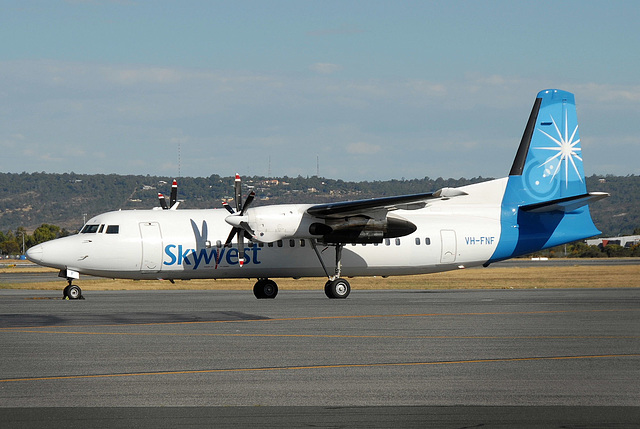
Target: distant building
(270,182)
(624,241)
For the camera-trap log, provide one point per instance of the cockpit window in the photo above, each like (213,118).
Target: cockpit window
(113,229)
(90,229)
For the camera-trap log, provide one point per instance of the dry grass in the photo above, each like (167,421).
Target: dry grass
(627,276)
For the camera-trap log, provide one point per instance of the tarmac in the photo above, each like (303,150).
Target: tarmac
(461,358)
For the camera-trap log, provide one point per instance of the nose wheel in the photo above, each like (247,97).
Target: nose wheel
(72,292)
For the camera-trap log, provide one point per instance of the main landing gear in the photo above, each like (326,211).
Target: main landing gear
(335,288)
(72,291)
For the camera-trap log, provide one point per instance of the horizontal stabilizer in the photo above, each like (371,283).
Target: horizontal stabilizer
(566,205)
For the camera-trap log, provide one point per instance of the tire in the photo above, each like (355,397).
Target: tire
(65,292)
(74,292)
(337,289)
(265,289)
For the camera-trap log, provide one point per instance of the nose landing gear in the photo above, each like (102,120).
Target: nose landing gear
(72,291)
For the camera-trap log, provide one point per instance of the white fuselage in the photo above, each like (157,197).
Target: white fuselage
(188,244)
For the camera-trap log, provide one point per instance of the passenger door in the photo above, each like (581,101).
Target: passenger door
(151,247)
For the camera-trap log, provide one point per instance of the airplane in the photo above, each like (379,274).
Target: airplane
(542,203)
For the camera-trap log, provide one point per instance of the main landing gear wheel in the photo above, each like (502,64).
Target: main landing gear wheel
(72,292)
(265,289)
(337,289)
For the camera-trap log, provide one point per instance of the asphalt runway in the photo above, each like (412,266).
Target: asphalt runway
(507,358)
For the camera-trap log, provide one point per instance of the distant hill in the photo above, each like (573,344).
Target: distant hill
(31,199)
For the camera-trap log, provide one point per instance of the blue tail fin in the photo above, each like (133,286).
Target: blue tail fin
(545,201)
(549,159)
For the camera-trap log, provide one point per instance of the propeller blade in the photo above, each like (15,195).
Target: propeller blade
(163,201)
(228,207)
(247,202)
(174,193)
(240,247)
(238,196)
(226,243)
(233,232)
(248,232)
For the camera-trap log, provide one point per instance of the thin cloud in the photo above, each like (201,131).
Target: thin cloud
(144,112)
(363,148)
(325,68)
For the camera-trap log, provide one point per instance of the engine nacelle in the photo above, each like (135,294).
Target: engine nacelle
(273,223)
(279,222)
(361,229)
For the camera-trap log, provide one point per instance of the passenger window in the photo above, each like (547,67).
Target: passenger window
(279,243)
(292,242)
(427,241)
(397,241)
(302,243)
(417,241)
(387,242)
(218,244)
(113,229)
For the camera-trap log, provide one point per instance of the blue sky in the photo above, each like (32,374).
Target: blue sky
(372,89)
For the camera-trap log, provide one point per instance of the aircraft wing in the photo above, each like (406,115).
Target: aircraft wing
(370,206)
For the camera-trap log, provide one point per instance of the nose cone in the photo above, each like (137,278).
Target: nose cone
(236,220)
(35,254)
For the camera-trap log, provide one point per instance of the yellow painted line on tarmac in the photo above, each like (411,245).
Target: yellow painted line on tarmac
(315,367)
(341,317)
(412,337)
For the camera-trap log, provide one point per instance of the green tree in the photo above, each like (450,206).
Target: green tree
(616,251)
(10,246)
(46,232)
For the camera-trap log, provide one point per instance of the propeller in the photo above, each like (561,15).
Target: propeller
(238,220)
(172,198)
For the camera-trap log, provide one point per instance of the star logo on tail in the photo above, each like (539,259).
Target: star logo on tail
(565,150)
